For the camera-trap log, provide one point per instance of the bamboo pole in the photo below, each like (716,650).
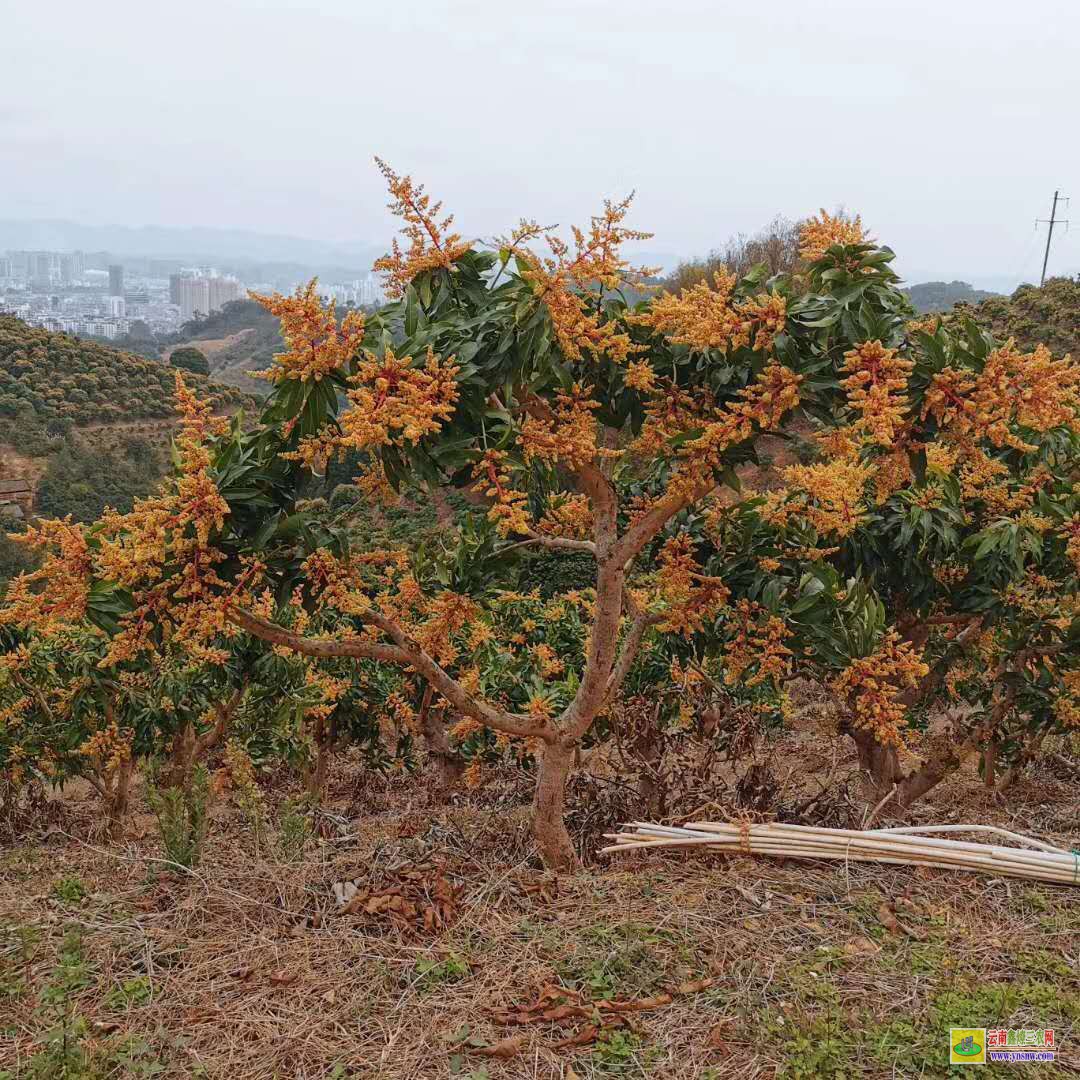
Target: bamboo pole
(892,846)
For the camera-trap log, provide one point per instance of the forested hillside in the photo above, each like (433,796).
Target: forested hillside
(87,425)
(942,295)
(241,338)
(50,383)
(1050,314)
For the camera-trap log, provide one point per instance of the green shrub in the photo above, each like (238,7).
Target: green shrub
(182,817)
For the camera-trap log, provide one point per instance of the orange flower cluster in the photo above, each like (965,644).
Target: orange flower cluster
(431,245)
(763,405)
(640,376)
(448,614)
(1029,390)
(1072,545)
(566,434)
(689,597)
(108,748)
(758,642)
(134,550)
(827,495)
(1067,702)
(317,345)
(817,235)
(705,317)
(877,389)
(567,515)
(563,283)
(394,402)
(66,571)
(510,507)
(873,683)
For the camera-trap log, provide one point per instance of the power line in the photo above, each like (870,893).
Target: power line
(1050,232)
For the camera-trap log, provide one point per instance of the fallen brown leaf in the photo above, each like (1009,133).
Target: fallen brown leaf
(891,923)
(716,1040)
(861,946)
(503,1049)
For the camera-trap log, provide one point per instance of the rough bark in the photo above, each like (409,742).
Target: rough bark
(189,749)
(449,766)
(315,774)
(117,797)
(549,803)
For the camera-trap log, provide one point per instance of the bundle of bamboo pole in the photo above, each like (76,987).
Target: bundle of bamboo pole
(1037,861)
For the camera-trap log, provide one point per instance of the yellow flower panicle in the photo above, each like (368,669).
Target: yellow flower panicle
(704,316)
(55,595)
(431,244)
(688,597)
(509,506)
(1014,389)
(818,234)
(761,405)
(566,434)
(873,684)
(394,401)
(876,389)
(758,643)
(564,282)
(569,516)
(317,345)
(827,495)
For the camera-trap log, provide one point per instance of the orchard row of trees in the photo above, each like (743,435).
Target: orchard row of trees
(919,558)
(50,380)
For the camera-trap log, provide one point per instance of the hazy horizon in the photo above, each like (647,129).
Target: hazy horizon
(945,126)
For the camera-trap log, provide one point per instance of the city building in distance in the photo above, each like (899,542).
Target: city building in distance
(196,293)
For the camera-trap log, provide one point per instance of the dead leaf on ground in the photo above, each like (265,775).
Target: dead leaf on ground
(888,919)
(582,1037)
(503,1049)
(716,1040)
(546,890)
(415,899)
(861,946)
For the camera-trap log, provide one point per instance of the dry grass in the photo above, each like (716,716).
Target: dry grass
(244,969)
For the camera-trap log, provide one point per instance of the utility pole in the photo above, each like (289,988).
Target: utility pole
(1050,232)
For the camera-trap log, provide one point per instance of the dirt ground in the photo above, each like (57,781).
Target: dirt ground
(460,957)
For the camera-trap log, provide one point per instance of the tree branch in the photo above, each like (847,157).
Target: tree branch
(631,646)
(555,543)
(405,652)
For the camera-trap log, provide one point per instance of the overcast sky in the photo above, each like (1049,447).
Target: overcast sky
(946,123)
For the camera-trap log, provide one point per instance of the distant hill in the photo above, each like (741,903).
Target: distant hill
(1050,314)
(85,424)
(57,381)
(242,337)
(942,295)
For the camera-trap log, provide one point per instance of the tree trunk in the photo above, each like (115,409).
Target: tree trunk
(881,762)
(647,747)
(116,802)
(449,766)
(990,765)
(549,824)
(181,758)
(315,775)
